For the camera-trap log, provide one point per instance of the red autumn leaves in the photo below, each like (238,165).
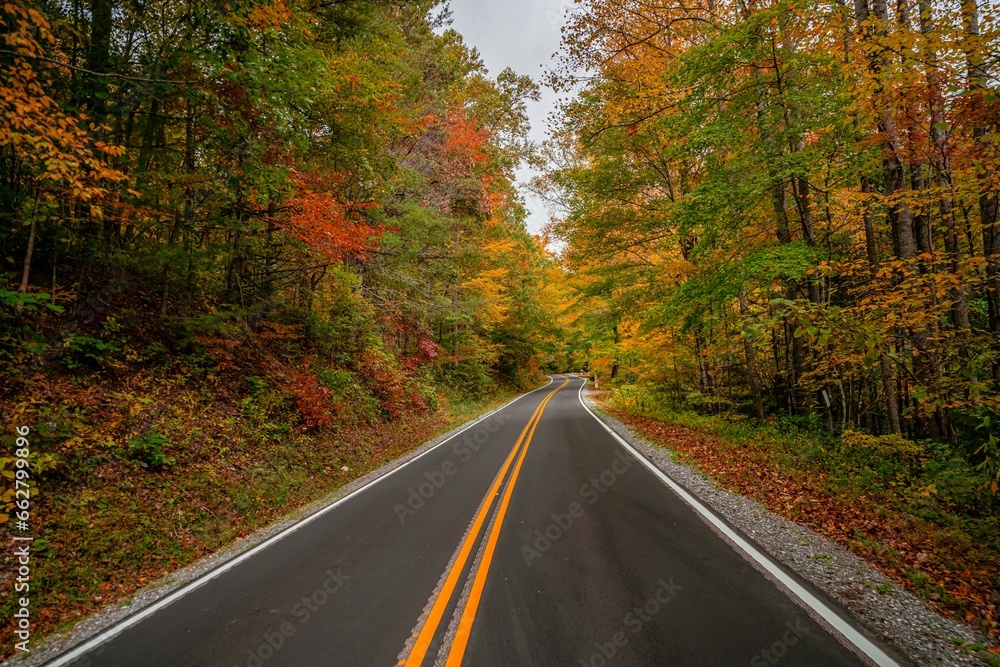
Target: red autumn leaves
(322,218)
(330,223)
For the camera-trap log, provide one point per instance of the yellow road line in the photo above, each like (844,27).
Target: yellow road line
(433,620)
(458,646)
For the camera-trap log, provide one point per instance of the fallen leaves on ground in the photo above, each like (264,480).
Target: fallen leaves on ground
(912,552)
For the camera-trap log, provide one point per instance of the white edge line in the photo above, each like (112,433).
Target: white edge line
(846,630)
(119,627)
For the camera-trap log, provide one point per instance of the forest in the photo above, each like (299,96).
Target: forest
(796,202)
(253,250)
(263,163)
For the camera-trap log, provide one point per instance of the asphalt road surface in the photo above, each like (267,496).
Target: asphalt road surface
(534,537)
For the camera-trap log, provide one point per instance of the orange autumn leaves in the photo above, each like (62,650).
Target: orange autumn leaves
(907,548)
(57,146)
(464,141)
(321,216)
(326,222)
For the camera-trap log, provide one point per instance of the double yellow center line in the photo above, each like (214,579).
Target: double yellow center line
(425,636)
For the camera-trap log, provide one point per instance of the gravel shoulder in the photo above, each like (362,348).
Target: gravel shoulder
(889,612)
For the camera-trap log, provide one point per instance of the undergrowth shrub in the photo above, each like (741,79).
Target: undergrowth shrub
(40,464)
(427,391)
(266,408)
(148,448)
(811,423)
(312,400)
(84,351)
(888,456)
(470,376)
(379,373)
(352,401)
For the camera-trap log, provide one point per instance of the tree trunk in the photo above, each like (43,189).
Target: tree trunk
(26,273)
(885,363)
(978,84)
(236,268)
(900,215)
(99,57)
(891,397)
(941,164)
(704,375)
(614,364)
(783,232)
(748,351)
(893,171)
(871,243)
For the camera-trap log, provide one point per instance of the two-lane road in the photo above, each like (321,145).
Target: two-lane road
(533,537)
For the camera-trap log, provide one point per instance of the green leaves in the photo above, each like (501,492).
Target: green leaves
(147,448)
(85,351)
(16,301)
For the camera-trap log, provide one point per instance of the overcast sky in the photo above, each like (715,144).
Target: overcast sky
(522,35)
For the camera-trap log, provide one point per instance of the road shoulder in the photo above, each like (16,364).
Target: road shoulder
(886,610)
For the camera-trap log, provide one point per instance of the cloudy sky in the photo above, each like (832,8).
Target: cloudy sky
(522,35)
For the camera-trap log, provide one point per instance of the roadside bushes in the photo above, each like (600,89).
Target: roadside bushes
(383,378)
(468,376)
(888,456)
(378,390)
(352,401)
(79,351)
(927,472)
(147,448)
(312,400)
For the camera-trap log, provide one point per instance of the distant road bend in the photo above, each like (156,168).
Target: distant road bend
(534,536)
